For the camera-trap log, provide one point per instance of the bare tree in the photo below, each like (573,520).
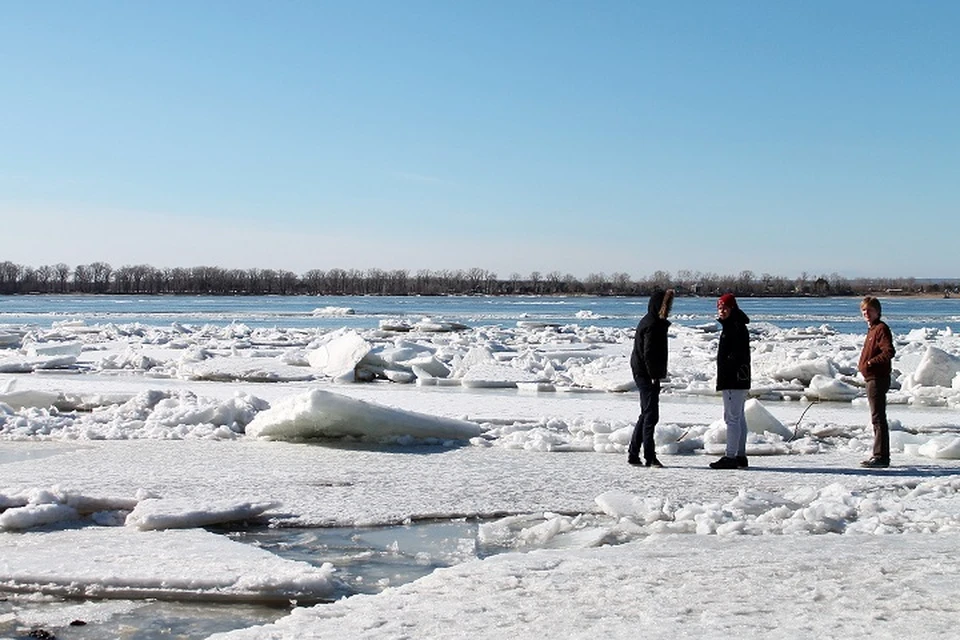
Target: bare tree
(490,283)
(595,283)
(45,278)
(571,284)
(554,280)
(474,277)
(28,280)
(62,274)
(660,280)
(10,277)
(100,276)
(621,282)
(398,282)
(535,279)
(516,280)
(286,282)
(313,281)
(82,278)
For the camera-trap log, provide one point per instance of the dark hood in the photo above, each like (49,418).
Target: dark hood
(656,301)
(660,303)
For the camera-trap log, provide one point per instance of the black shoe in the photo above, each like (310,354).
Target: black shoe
(742,462)
(724,463)
(875,463)
(653,462)
(635,462)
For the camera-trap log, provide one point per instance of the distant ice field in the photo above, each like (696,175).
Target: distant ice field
(365,312)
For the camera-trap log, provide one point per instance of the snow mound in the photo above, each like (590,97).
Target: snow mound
(322,414)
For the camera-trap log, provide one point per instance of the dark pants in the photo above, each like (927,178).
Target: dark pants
(877,397)
(649,417)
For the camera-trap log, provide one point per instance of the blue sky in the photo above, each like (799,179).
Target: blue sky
(580,137)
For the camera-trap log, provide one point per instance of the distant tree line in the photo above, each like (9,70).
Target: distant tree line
(101,278)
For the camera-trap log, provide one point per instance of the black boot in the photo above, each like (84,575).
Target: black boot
(653,462)
(724,463)
(742,462)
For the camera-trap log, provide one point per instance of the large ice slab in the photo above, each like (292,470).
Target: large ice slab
(322,414)
(937,368)
(169,513)
(339,356)
(120,562)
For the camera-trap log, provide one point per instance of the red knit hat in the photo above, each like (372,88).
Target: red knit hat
(727,300)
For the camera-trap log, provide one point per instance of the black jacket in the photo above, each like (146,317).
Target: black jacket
(649,357)
(733,355)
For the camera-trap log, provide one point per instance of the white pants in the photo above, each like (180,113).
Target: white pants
(733,401)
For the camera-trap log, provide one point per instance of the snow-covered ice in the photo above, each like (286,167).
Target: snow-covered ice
(119,444)
(117,562)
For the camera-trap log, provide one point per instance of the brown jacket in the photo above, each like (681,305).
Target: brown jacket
(877,356)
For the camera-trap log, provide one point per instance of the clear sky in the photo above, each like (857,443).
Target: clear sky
(514,136)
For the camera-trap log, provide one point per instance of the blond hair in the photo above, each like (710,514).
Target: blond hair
(869,302)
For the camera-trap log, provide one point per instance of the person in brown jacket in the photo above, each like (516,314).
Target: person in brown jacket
(876,364)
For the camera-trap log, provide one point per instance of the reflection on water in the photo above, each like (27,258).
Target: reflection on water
(29,618)
(370,559)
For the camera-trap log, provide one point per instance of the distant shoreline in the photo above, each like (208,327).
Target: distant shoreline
(140,280)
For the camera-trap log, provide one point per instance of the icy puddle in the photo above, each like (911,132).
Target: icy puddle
(32,618)
(18,451)
(367,560)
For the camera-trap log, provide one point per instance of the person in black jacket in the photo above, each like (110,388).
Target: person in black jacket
(648,361)
(733,379)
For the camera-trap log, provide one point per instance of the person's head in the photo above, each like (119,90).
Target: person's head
(661,302)
(870,309)
(725,305)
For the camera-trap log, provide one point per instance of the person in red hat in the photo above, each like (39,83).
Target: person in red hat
(733,379)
